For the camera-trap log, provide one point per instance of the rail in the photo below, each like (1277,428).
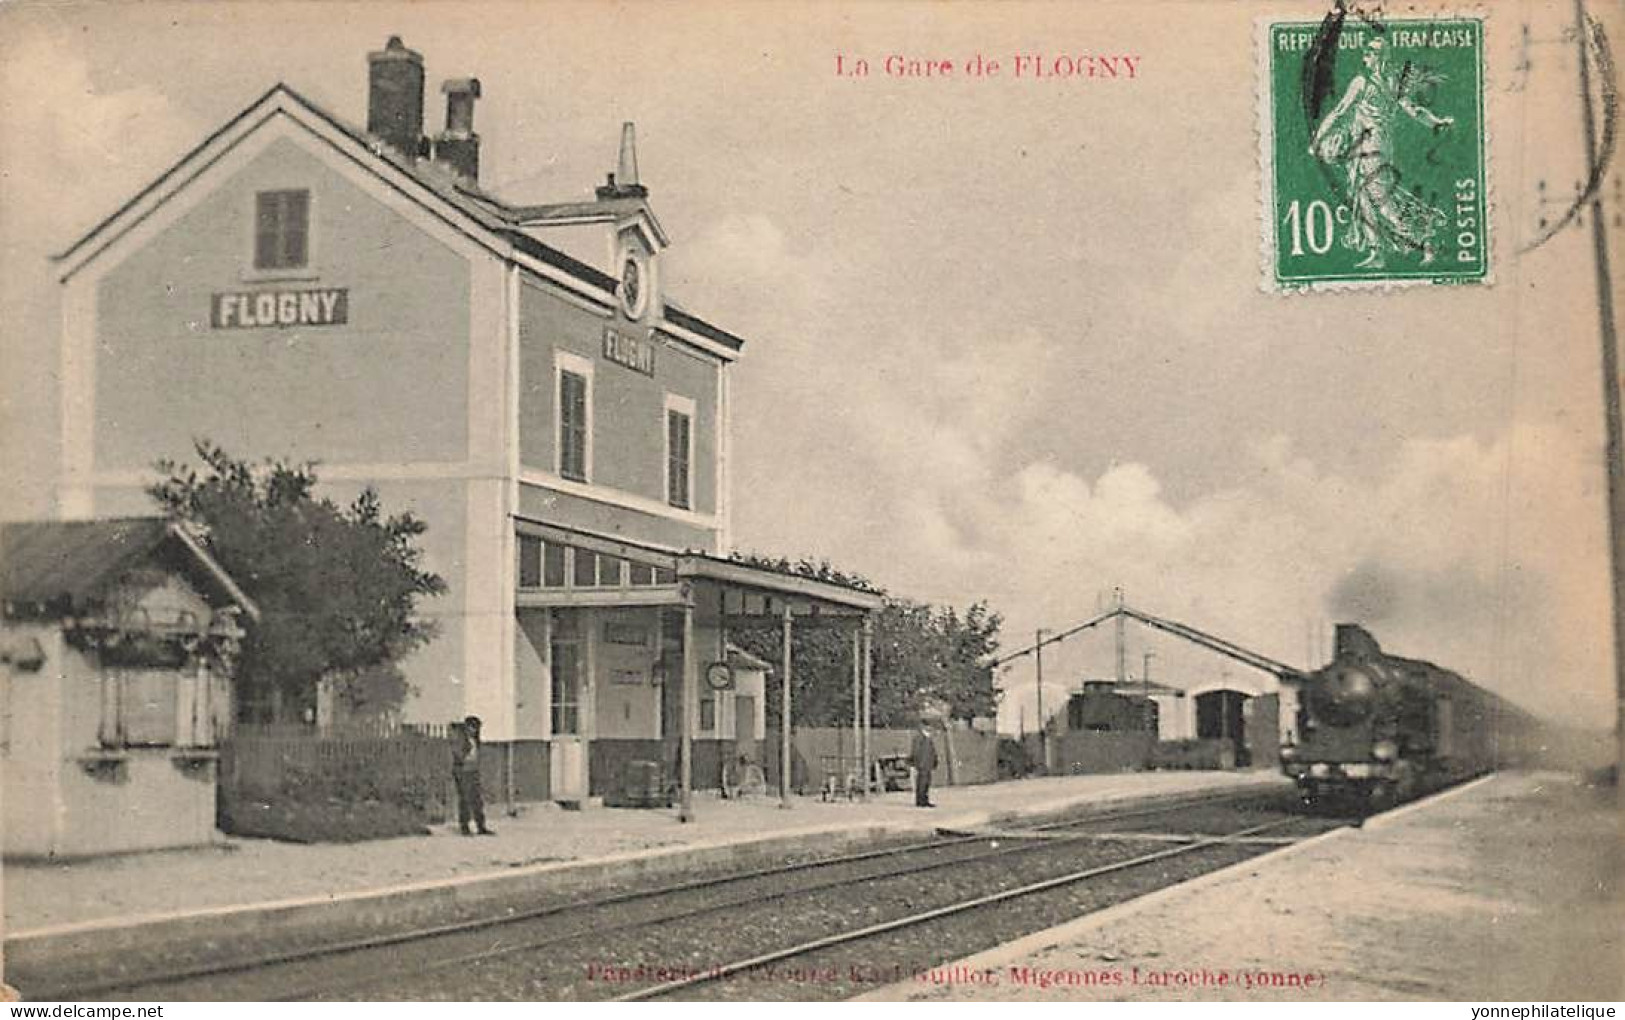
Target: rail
(305,953)
(913,920)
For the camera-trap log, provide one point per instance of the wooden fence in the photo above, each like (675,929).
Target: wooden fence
(964,756)
(356,762)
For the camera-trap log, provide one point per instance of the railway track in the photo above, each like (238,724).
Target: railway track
(554,951)
(849,941)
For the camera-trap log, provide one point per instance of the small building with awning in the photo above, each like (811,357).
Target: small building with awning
(117,647)
(643,669)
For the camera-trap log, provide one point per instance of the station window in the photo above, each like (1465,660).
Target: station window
(541,564)
(708,712)
(282,229)
(544,564)
(553,565)
(679,452)
(573,425)
(530,561)
(566,687)
(585,574)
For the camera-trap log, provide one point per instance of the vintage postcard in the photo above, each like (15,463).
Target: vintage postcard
(795,501)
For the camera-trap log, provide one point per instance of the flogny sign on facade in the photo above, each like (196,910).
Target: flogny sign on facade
(636,353)
(254,309)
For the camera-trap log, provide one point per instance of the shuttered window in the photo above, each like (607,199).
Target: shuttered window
(282,230)
(679,451)
(572,426)
(147,706)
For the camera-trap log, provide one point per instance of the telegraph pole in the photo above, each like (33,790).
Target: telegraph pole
(1122,650)
(1043,736)
(1151,729)
(1610,393)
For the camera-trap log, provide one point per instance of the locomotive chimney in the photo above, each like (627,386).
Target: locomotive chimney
(395,97)
(1355,641)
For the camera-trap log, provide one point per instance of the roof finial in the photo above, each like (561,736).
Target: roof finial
(626,171)
(624,183)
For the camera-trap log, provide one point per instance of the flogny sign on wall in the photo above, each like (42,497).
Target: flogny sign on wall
(636,353)
(259,308)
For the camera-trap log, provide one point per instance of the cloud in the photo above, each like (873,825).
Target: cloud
(913,460)
(1481,556)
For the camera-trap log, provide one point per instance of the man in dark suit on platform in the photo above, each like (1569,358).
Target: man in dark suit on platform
(922,754)
(465,770)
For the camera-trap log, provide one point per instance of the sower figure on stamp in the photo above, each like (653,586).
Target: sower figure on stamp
(1359,134)
(922,754)
(465,770)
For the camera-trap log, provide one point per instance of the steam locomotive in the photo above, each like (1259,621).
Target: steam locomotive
(1374,728)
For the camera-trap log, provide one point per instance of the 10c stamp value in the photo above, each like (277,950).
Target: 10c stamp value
(1374,155)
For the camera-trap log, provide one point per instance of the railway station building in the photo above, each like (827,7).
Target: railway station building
(299,287)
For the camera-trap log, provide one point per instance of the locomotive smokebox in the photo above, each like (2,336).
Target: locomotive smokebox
(1342,695)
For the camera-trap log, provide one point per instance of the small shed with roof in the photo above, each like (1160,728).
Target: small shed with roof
(118,640)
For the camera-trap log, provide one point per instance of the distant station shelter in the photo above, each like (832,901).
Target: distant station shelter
(298,287)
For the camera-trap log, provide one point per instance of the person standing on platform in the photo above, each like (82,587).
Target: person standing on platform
(922,754)
(465,770)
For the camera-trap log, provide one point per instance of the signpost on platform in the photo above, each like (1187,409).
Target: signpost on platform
(857,713)
(867,745)
(784,718)
(1150,724)
(685,767)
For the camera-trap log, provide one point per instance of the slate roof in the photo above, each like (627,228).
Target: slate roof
(70,563)
(482,208)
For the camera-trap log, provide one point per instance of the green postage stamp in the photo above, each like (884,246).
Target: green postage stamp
(1373,152)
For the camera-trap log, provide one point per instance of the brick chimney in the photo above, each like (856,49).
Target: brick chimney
(458,147)
(395,97)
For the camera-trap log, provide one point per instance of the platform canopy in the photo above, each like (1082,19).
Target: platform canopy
(566,568)
(624,573)
(757,596)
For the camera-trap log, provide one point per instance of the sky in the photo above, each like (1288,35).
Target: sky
(1006,338)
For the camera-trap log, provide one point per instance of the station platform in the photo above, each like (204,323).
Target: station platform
(1511,888)
(99,898)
